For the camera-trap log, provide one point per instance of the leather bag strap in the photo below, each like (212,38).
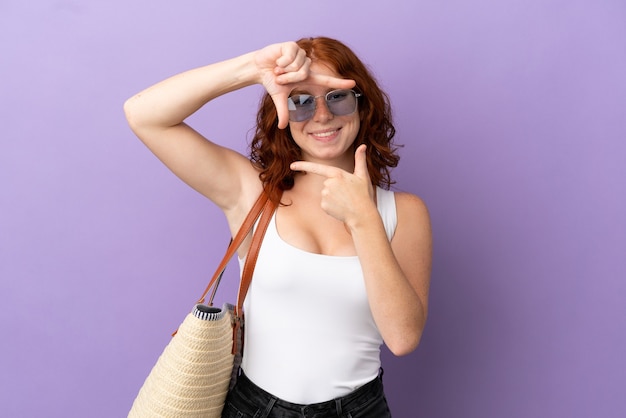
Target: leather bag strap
(235,243)
(246,273)
(253,254)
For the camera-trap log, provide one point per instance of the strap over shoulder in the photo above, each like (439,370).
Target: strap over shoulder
(262,205)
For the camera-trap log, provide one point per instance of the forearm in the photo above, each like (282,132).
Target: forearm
(169,102)
(398,311)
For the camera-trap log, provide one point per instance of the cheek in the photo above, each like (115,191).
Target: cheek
(356,127)
(294,133)
(293,130)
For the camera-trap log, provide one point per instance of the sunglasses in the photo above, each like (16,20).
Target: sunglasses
(339,102)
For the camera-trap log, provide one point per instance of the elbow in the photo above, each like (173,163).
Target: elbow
(129,112)
(141,118)
(404,345)
(405,340)
(136,117)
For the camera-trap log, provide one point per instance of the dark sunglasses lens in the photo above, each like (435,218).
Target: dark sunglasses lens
(341,102)
(301,107)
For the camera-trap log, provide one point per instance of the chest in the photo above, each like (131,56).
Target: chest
(310,229)
(287,274)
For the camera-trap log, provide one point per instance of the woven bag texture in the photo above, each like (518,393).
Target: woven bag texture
(192,375)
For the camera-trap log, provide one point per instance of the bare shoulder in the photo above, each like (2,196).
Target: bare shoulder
(411,210)
(413,231)
(412,242)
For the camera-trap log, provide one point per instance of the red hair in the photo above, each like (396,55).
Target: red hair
(272,150)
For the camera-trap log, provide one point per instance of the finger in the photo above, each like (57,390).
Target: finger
(288,53)
(360,162)
(330,81)
(295,76)
(294,63)
(315,168)
(282,111)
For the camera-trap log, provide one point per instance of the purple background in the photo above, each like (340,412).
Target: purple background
(513,114)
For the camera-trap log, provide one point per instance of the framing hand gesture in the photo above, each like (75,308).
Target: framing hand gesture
(282,67)
(345,195)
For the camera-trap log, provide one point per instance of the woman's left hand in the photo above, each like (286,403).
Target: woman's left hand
(396,274)
(346,196)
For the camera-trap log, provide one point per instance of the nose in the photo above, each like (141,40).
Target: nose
(322,113)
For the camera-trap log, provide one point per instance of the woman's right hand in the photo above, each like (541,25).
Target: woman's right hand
(282,67)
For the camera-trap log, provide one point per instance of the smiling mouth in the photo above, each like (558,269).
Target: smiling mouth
(325,134)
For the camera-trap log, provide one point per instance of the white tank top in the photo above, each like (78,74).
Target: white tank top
(309,332)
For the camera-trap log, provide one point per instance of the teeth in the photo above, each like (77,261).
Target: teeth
(325,134)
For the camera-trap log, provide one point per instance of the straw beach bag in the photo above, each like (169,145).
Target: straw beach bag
(201,362)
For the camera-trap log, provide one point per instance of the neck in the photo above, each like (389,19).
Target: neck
(344,162)
(309,181)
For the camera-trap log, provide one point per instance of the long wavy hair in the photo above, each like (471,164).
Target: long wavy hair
(272,150)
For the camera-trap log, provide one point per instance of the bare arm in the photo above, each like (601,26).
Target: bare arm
(396,274)
(157,115)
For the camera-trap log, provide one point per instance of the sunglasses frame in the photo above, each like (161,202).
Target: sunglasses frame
(325,96)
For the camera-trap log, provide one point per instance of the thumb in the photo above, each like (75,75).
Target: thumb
(280,102)
(360,162)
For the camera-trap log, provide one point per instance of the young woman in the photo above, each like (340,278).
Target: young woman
(345,263)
